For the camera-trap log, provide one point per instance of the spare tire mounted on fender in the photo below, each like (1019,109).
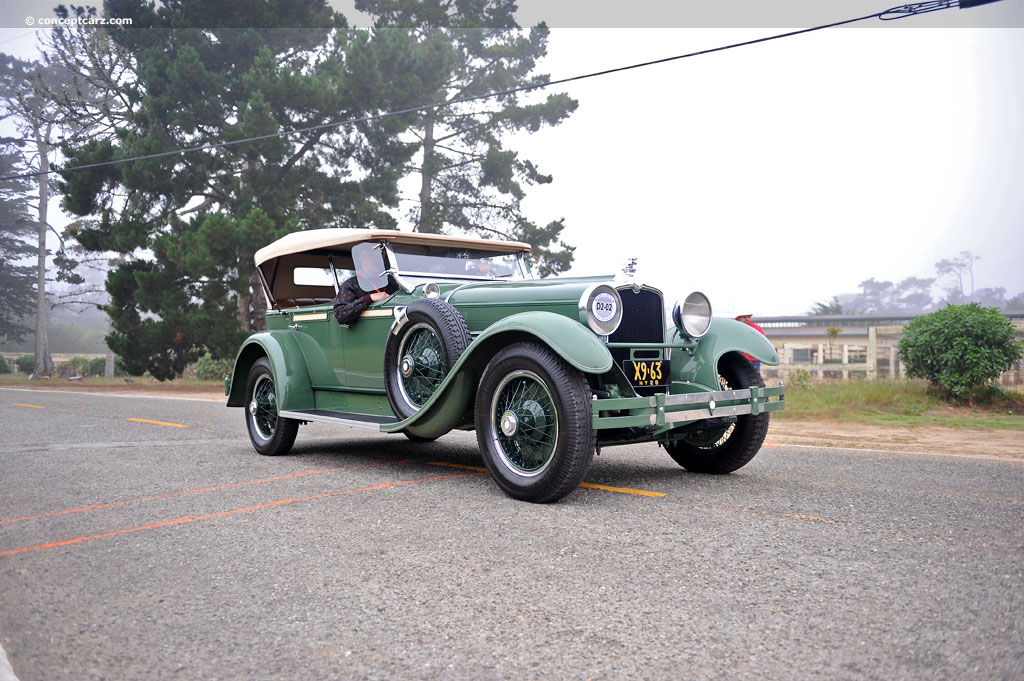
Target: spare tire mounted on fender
(418,358)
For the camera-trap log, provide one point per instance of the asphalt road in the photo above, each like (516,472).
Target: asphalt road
(131,549)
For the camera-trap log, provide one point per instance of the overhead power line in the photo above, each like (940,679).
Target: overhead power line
(899,12)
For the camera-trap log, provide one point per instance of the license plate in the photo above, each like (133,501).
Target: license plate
(646,372)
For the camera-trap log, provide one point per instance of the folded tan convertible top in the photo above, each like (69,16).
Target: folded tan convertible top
(312,239)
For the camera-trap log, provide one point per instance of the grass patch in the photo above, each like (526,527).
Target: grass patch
(905,403)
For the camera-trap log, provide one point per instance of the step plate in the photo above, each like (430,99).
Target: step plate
(341,418)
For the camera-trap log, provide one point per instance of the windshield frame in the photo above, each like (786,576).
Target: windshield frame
(522,264)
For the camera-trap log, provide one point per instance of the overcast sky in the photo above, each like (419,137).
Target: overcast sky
(788,172)
(779,174)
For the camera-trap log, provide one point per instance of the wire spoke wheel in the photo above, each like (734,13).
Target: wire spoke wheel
(726,448)
(524,423)
(420,354)
(533,423)
(263,407)
(422,364)
(270,433)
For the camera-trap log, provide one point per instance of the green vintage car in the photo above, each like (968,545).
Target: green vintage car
(547,371)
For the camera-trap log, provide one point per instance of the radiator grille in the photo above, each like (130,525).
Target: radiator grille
(643,321)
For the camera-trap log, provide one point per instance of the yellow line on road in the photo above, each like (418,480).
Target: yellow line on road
(159,423)
(810,517)
(605,488)
(622,490)
(34,406)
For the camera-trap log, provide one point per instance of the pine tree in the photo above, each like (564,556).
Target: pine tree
(17,276)
(469,180)
(204,72)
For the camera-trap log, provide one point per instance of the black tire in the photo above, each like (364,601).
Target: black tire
(418,358)
(270,434)
(542,451)
(720,451)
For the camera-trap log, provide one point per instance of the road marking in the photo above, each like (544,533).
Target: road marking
(201,489)
(810,517)
(458,465)
(216,397)
(34,406)
(606,488)
(234,511)
(158,423)
(622,490)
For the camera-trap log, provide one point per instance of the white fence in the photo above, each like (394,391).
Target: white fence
(878,357)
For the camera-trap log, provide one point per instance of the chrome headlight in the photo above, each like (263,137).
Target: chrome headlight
(692,315)
(601,309)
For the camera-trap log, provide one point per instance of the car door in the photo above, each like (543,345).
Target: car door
(319,325)
(363,344)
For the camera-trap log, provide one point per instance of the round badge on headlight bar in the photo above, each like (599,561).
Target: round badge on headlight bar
(692,316)
(601,309)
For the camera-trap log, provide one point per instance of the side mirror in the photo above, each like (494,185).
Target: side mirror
(369,264)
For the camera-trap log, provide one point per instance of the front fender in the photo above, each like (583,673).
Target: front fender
(291,375)
(448,406)
(723,336)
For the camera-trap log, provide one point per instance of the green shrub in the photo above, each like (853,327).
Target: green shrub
(960,348)
(81,365)
(5,368)
(207,368)
(25,364)
(96,366)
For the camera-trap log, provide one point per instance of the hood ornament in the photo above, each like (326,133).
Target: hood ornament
(628,275)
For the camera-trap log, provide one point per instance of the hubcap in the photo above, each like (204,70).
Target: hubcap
(524,425)
(423,364)
(509,422)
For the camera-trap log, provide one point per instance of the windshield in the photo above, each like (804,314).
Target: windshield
(445,262)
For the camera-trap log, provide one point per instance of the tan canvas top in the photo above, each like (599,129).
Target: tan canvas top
(311,239)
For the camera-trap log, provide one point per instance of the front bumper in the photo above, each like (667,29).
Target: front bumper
(665,411)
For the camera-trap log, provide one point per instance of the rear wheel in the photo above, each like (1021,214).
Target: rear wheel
(270,434)
(533,423)
(724,450)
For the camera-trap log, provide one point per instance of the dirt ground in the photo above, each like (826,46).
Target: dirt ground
(989,443)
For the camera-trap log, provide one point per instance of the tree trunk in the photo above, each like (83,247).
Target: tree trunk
(427,222)
(43,362)
(244,321)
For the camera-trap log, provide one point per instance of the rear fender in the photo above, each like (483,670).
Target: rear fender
(287,361)
(723,336)
(449,406)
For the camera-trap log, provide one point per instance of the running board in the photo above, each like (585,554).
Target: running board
(340,418)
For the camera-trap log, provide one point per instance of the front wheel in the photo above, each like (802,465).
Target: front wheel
(533,423)
(724,450)
(270,434)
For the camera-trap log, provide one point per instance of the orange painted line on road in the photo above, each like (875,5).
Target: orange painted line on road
(158,423)
(457,465)
(606,488)
(222,514)
(200,489)
(34,406)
